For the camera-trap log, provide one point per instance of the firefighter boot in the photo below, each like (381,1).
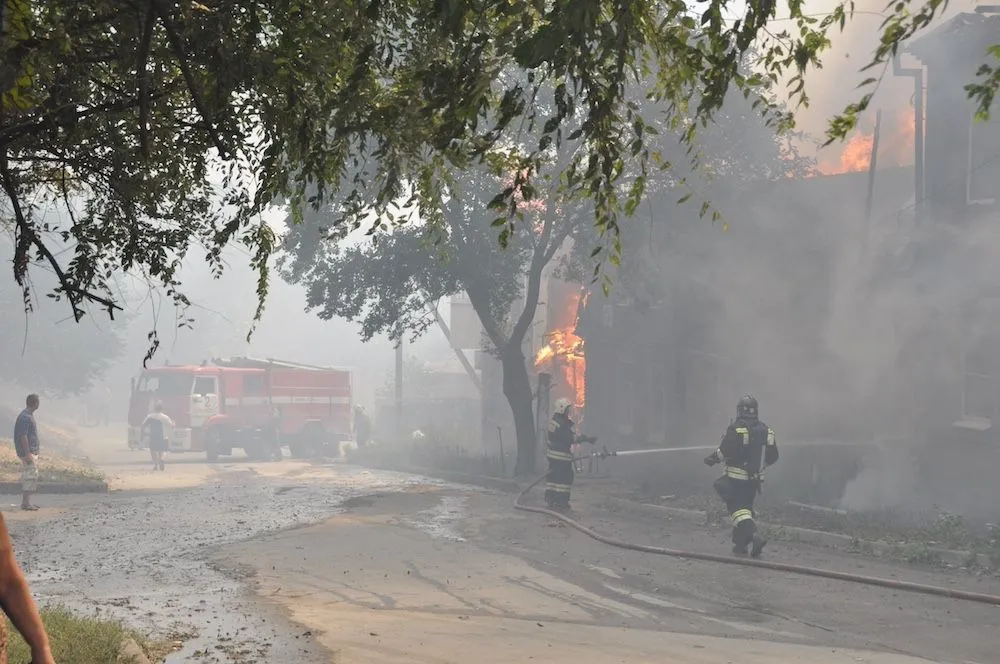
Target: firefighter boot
(739,544)
(744,534)
(758,546)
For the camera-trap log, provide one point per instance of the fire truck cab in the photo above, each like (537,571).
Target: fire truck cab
(255,405)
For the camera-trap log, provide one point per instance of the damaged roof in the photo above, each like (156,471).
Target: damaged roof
(968,31)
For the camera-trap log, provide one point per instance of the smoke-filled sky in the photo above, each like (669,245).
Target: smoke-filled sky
(835,85)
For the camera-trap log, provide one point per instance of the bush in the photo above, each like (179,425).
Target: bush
(74,639)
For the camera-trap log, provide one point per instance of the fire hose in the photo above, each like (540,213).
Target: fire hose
(748,562)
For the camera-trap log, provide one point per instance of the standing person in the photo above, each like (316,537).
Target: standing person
(156,424)
(562,437)
(27,447)
(17,603)
(362,426)
(747,449)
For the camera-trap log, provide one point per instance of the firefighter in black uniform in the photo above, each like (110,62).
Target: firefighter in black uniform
(561,439)
(747,449)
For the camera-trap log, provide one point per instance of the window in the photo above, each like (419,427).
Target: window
(979,389)
(204,385)
(166,384)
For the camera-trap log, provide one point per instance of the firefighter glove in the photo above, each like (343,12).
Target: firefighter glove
(712,459)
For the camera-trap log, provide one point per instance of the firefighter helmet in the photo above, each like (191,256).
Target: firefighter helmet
(747,407)
(563,406)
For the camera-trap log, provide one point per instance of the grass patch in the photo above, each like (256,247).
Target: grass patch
(52,467)
(55,440)
(74,639)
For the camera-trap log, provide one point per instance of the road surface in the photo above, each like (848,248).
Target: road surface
(264,562)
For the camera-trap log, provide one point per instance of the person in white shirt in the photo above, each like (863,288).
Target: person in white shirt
(158,425)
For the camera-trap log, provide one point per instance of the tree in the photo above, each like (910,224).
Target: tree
(123,112)
(391,285)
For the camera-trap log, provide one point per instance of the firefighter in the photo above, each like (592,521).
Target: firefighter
(747,449)
(362,426)
(561,440)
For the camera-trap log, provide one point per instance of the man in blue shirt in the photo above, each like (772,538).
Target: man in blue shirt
(27,447)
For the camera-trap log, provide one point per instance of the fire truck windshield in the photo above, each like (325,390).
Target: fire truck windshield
(166,384)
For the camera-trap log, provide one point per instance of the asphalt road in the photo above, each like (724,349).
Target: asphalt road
(142,552)
(264,562)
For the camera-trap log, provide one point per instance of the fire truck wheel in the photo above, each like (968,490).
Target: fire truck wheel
(212,445)
(309,444)
(303,449)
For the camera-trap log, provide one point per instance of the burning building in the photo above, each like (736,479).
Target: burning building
(870,326)
(695,324)
(853,312)
(895,148)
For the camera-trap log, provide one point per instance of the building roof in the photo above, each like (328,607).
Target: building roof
(968,31)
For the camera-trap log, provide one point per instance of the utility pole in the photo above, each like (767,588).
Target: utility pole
(399,391)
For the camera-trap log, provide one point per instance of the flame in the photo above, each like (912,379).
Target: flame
(855,156)
(895,147)
(563,351)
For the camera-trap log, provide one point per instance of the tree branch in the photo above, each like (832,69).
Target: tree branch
(142,74)
(540,257)
(199,103)
(59,118)
(481,304)
(557,242)
(26,237)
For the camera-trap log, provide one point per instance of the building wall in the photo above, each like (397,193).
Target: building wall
(743,311)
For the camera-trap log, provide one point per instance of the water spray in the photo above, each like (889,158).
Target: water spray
(604,453)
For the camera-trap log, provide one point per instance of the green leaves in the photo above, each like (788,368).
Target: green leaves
(983,92)
(130,117)
(386,286)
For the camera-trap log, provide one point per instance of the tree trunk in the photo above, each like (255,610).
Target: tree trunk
(517,389)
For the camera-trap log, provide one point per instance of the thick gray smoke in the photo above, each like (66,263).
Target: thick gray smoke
(846,326)
(836,84)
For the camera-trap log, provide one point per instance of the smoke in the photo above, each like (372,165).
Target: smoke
(847,325)
(835,86)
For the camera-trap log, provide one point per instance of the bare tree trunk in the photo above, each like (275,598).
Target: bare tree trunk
(517,389)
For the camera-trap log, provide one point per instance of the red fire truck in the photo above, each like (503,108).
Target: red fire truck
(246,403)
